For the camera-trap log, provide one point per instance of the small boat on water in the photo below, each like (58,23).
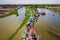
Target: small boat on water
(43,13)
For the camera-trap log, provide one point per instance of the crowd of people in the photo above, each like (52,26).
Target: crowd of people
(30,33)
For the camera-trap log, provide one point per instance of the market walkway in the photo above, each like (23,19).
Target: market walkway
(41,27)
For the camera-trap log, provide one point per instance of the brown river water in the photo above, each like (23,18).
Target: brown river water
(8,25)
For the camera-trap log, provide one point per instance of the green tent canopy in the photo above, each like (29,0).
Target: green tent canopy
(25,31)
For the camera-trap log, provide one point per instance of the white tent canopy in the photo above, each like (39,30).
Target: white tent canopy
(29,1)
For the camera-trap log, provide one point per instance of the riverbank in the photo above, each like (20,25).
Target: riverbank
(49,7)
(8,25)
(27,14)
(12,27)
(11,12)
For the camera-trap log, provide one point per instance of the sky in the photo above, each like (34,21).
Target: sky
(29,1)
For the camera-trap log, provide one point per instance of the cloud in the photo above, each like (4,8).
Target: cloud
(29,1)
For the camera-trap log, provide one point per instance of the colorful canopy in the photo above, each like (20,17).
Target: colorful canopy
(31,19)
(32,30)
(28,22)
(23,35)
(25,31)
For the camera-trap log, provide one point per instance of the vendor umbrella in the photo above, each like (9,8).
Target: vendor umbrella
(25,31)
(28,22)
(23,36)
(32,31)
(31,19)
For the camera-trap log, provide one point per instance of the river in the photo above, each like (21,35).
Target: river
(52,19)
(8,25)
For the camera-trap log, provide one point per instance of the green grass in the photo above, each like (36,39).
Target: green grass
(28,9)
(26,18)
(32,11)
(23,22)
(21,25)
(14,11)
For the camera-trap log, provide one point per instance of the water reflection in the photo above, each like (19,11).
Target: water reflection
(51,18)
(21,13)
(9,24)
(54,20)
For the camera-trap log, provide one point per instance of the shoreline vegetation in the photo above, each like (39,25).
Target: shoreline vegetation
(23,22)
(11,12)
(27,16)
(54,8)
